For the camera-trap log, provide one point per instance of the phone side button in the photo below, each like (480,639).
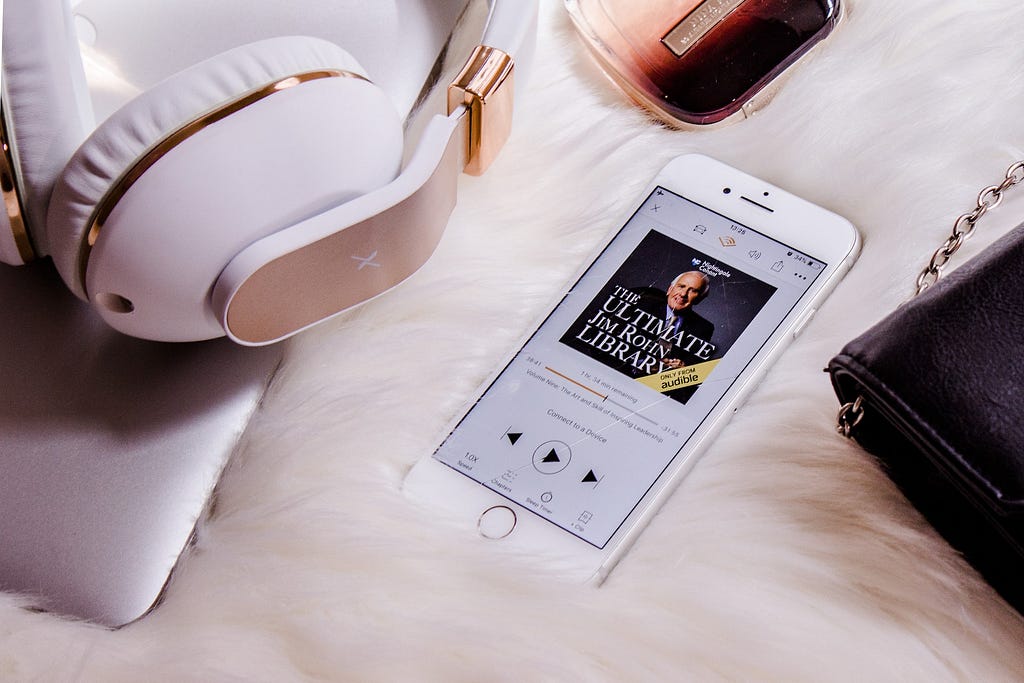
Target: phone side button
(803,323)
(496,522)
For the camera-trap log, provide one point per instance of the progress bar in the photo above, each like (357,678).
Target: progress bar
(604,397)
(570,379)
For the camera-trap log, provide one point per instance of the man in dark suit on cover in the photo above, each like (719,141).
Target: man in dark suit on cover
(675,308)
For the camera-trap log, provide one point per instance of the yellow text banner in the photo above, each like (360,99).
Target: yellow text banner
(689,376)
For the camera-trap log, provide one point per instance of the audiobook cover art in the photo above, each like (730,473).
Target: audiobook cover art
(668,315)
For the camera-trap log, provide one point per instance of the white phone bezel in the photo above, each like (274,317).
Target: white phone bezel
(793,221)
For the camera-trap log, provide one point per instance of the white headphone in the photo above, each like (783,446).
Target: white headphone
(254,194)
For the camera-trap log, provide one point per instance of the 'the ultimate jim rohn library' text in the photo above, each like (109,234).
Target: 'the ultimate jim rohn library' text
(636,337)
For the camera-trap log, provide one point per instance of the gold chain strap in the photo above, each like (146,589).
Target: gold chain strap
(850,414)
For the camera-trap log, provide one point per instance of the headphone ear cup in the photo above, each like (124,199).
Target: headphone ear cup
(165,192)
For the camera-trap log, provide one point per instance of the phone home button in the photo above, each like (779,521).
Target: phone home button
(497,522)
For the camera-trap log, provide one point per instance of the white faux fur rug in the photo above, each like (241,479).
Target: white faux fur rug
(785,555)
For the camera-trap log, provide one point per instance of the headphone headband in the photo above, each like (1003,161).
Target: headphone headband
(40,54)
(15,245)
(366,246)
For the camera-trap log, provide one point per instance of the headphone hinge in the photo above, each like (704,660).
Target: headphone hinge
(485,88)
(12,192)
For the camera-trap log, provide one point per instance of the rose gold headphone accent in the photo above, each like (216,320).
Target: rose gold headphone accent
(11,195)
(352,264)
(121,186)
(485,88)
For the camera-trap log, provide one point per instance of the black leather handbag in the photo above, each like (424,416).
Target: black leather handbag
(936,391)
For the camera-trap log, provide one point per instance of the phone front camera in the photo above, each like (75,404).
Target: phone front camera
(727,190)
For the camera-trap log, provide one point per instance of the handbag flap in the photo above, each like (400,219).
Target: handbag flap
(947,368)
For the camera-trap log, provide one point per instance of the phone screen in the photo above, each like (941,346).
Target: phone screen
(605,395)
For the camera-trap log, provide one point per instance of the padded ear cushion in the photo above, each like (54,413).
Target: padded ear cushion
(119,141)
(46,100)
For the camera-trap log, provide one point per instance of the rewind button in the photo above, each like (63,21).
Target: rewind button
(512,436)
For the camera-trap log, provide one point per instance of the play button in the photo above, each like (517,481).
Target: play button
(551,457)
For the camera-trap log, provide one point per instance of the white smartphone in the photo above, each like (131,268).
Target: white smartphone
(568,450)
